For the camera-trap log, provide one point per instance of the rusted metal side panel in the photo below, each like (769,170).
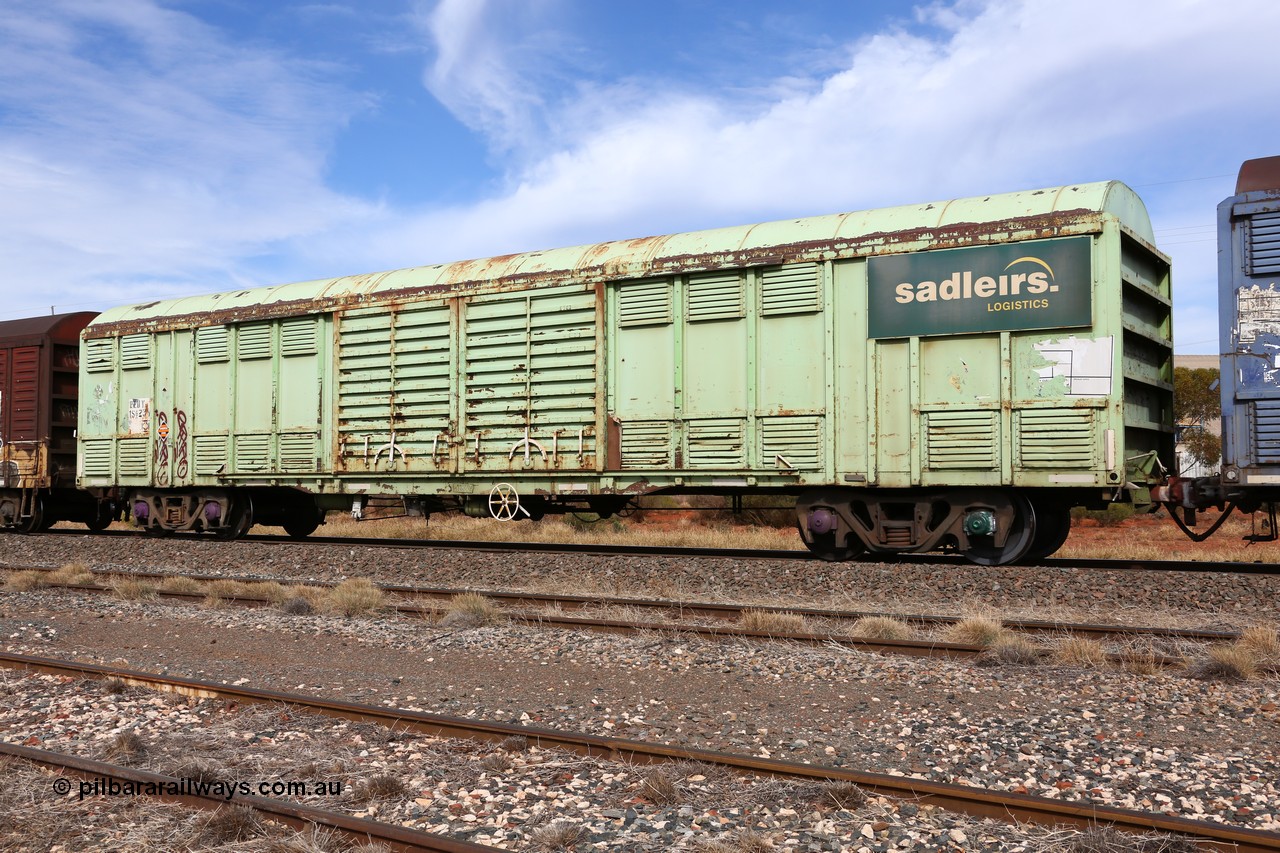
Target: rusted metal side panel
(738,358)
(8,465)
(24,415)
(394,389)
(530,386)
(720,378)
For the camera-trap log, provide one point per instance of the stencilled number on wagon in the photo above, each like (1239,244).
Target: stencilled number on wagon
(139,417)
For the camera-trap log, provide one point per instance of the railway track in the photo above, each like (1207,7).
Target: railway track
(1205,566)
(977,802)
(728,616)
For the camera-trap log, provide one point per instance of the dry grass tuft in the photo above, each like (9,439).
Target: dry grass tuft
(661,786)
(843,795)
(495,764)
(976,631)
(316,596)
(1105,839)
(182,586)
(551,529)
(381,787)
(199,771)
(1081,651)
(773,622)
(132,589)
(882,628)
(314,840)
(297,606)
(228,825)
(25,581)
(747,841)
(1141,658)
(1263,642)
(71,574)
(470,610)
(125,748)
(514,743)
(1013,650)
(271,591)
(224,588)
(356,596)
(558,836)
(1226,663)
(114,685)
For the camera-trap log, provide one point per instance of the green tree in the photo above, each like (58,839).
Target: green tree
(1196,404)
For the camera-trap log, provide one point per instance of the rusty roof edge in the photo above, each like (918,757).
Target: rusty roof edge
(953,235)
(950,236)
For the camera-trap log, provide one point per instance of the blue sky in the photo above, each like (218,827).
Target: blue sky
(152,149)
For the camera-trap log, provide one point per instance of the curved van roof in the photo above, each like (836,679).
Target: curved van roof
(59,328)
(967,221)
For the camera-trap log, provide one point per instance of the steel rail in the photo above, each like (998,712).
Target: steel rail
(977,802)
(1093,564)
(917,648)
(170,789)
(680,608)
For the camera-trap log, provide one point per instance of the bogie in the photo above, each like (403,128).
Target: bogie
(990,527)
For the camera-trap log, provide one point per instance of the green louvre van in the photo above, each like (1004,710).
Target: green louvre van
(947,375)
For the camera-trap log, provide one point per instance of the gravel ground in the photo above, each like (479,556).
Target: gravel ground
(1198,749)
(1173,599)
(513,797)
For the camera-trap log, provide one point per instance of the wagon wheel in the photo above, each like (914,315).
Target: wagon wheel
(103,515)
(1053,525)
(984,551)
(504,502)
(303,522)
(239,518)
(34,522)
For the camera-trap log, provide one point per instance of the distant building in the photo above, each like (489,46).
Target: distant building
(1187,466)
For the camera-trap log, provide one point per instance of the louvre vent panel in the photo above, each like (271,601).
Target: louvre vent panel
(797,440)
(96,457)
(715,443)
(298,452)
(135,352)
(253,453)
(1266,432)
(1056,438)
(962,440)
(212,344)
(99,355)
(133,455)
(646,444)
(253,341)
(716,296)
(210,453)
(396,376)
(645,302)
(790,289)
(530,362)
(298,336)
(1263,245)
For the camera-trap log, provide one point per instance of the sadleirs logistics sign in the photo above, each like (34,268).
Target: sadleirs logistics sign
(1032,285)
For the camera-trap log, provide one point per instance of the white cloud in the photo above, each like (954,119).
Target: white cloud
(980,97)
(180,160)
(140,151)
(490,60)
